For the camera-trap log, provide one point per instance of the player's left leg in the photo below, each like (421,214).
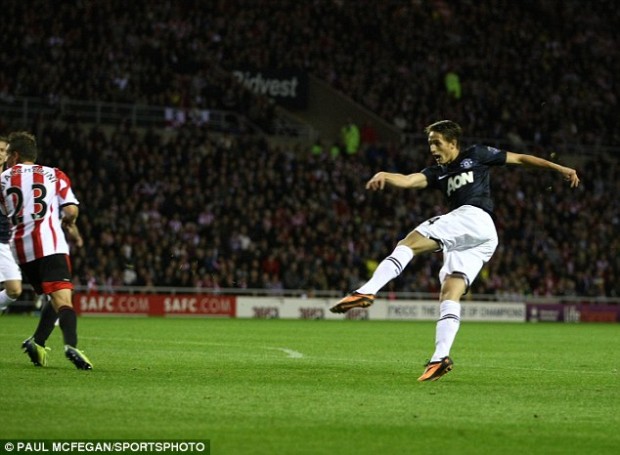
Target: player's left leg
(460,269)
(46,323)
(34,346)
(448,324)
(449,320)
(469,239)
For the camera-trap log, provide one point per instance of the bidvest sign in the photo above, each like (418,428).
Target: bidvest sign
(287,87)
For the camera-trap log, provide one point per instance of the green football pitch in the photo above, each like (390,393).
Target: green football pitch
(319,387)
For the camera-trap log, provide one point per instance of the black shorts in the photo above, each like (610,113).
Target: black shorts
(49,274)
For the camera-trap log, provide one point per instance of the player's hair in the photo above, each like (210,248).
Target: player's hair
(3,138)
(23,143)
(450,130)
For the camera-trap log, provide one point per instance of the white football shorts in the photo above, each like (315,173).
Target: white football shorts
(9,270)
(468,239)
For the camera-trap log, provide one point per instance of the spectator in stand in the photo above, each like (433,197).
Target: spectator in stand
(182,58)
(350,135)
(453,85)
(368,134)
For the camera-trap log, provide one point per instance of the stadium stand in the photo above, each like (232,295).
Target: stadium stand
(545,76)
(241,212)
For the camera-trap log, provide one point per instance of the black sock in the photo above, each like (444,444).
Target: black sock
(46,323)
(68,325)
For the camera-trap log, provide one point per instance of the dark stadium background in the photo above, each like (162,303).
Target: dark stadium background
(189,179)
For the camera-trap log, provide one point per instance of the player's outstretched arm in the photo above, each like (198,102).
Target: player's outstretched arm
(568,173)
(380,179)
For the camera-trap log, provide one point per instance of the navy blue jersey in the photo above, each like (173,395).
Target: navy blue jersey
(465,181)
(5,229)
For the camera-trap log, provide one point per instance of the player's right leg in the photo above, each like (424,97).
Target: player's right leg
(353,300)
(388,269)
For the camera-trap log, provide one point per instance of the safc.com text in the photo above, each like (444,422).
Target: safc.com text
(15,447)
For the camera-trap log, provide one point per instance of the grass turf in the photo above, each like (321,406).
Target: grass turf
(319,387)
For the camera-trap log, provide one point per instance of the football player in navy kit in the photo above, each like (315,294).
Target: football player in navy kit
(466,234)
(10,273)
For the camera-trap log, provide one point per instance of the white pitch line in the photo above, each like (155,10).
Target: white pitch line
(289,352)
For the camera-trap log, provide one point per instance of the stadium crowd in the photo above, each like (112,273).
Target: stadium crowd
(191,209)
(545,73)
(194,209)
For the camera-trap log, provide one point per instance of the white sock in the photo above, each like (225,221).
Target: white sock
(5,299)
(447,327)
(388,269)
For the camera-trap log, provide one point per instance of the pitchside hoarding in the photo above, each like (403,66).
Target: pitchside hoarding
(211,305)
(572,312)
(405,310)
(155,304)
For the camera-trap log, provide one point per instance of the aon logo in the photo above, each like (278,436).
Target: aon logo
(457,181)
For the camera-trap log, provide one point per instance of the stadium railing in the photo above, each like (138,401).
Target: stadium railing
(26,110)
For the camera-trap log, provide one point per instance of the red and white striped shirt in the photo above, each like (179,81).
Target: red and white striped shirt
(32,197)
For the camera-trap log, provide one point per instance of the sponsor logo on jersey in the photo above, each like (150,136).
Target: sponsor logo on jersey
(457,181)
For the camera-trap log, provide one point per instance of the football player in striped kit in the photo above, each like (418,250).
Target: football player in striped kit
(466,234)
(43,209)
